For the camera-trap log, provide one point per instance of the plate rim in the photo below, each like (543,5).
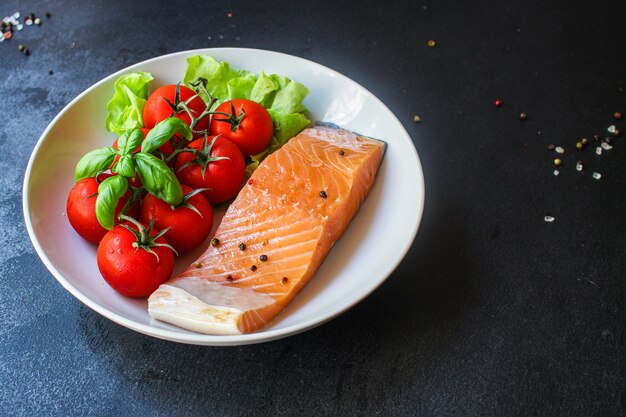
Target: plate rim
(198,338)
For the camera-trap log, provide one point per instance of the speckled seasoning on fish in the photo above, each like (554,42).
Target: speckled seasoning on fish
(284,222)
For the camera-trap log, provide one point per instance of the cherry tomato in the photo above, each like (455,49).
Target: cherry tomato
(134,263)
(223,177)
(81,208)
(251,133)
(158,109)
(187,228)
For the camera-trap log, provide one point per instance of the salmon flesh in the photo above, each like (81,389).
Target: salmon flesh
(275,234)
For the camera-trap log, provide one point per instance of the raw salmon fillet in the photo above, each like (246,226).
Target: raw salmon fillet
(289,214)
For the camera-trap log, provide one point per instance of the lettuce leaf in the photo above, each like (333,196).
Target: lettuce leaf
(125,109)
(222,79)
(282,97)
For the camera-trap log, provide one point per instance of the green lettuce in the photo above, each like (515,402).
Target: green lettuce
(282,97)
(125,109)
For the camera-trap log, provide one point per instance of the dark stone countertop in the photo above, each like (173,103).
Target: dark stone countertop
(492,312)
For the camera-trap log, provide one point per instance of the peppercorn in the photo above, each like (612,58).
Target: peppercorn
(242,246)
(48,15)
(584,141)
(50,72)
(341,152)
(431,43)
(617,115)
(263,258)
(557,162)
(523,116)
(551,147)
(284,280)
(617,132)
(21,47)
(198,264)
(498,103)
(579,145)
(323,194)
(417,119)
(215,242)
(229,278)
(253,268)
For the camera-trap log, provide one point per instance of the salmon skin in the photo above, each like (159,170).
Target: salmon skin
(274,235)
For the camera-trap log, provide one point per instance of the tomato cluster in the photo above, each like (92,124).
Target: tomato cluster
(150,194)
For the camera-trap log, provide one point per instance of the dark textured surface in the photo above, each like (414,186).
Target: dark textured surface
(493,311)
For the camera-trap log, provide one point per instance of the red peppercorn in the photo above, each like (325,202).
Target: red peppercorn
(498,103)
(250,181)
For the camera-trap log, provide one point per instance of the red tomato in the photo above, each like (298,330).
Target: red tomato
(81,208)
(158,109)
(252,133)
(134,271)
(187,228)
(223,177)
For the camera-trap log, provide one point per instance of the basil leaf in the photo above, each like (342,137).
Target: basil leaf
(164,130)
(125,166)
(158,179)
(129,141)
(109,193)
(94,162)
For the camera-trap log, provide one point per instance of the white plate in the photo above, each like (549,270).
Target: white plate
(368,252)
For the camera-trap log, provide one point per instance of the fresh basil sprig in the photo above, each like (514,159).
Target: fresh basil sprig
(158,178)
(109,193)
(163,131)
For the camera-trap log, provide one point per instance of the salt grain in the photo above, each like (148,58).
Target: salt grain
(558,149)
(548,219)
(598,151)
(596,176)
(606,146)
(611,129)
(556,172)
(579,166)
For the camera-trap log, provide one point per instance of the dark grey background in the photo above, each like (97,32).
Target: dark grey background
(493,311)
